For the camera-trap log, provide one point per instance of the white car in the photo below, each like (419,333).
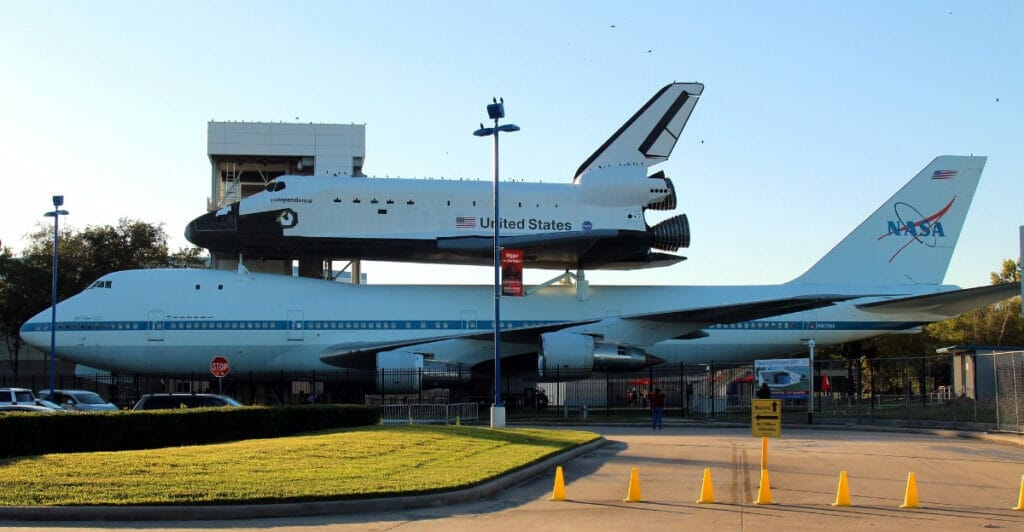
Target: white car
(16,396)
(77,400)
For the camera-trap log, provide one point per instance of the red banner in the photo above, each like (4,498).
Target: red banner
(511,272)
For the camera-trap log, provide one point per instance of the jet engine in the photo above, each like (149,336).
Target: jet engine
(671,234)
(571,356)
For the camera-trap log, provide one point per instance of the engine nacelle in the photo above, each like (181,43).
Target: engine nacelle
(399,372)
(565,356)
(613,357)
(571,356)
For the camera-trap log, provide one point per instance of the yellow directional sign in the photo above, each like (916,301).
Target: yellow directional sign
(766,417)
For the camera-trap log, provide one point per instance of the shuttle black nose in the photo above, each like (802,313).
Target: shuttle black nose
(214,230)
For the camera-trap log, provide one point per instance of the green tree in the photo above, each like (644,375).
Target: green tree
(85,256)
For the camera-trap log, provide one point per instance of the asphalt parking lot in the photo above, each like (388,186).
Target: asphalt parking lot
(962,483)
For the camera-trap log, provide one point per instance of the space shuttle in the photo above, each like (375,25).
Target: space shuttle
(596,221)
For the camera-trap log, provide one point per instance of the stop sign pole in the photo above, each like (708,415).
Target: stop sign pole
(220,367)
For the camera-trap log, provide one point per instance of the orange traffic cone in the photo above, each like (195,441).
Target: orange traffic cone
(558,493)
(707,491)
(843,493)
(634,486)
(910,498)
(1020,497)
(764,491)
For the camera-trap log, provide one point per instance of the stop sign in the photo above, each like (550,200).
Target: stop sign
(219,366)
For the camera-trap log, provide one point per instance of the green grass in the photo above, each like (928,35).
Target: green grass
(350,463)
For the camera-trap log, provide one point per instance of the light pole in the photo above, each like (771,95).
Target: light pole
(55,213)
(495,111)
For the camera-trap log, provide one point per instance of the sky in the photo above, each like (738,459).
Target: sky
(813,113)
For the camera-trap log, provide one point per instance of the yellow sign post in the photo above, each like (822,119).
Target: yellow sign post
(766,417)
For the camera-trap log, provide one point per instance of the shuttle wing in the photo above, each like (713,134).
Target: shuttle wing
(649,136)
(361,355)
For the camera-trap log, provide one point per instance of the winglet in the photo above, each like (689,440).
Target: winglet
(650,135)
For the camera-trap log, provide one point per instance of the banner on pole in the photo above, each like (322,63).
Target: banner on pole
(511,272)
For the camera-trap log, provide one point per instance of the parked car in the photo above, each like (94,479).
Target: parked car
(26,407)
(158,401)
(77,400)
(17,396)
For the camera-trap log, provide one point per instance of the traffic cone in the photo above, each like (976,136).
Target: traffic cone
(843,493)
(1020,497)
(764,452)
(558,494)
(910,499)
(634,486)
(707,492)
(764,491)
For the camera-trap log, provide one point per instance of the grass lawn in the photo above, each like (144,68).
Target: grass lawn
(348,463)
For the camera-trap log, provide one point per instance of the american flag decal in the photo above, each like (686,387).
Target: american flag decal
(944,174)
(465,222)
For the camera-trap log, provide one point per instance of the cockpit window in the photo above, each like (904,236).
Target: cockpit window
(101,284)
(275,186)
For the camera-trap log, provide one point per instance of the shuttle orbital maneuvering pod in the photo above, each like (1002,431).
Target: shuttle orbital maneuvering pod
(884,277)
(595,222)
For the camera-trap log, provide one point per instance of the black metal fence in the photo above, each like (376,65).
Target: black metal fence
(914,386)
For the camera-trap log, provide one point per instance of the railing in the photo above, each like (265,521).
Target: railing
(448,414)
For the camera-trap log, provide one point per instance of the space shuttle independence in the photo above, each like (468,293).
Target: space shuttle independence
(596,221)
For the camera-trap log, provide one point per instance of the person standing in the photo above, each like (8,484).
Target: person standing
(657,400)
(764,392)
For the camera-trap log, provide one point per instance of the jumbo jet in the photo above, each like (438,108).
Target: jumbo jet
(884,277)
(595,222)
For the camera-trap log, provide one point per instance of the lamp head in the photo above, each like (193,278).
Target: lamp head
(58,201)
(496,110)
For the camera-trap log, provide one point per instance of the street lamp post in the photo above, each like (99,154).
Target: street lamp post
(495,111)
(55,213)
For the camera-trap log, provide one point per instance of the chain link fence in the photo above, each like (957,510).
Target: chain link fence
(1008,375)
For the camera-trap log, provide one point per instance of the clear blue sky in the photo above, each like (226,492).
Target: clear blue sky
(813,112)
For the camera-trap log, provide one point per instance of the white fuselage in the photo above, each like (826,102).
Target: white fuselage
(176,321)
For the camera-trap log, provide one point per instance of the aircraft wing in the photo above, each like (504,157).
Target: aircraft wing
(947,304)
(686,321)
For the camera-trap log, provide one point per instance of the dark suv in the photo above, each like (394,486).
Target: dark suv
(158,401)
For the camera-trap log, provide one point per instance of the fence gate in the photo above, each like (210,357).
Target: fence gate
(1009,377)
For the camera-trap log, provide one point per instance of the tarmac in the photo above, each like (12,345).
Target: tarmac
(977,485)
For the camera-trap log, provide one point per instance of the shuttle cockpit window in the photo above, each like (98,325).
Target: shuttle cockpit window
(275,186)
(101,284)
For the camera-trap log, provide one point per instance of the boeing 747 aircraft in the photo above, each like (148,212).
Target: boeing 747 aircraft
(884,277)
(597,221)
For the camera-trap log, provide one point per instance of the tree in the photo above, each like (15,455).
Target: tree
(85,256)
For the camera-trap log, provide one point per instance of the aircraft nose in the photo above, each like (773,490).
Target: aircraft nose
(214,230)
(36,331)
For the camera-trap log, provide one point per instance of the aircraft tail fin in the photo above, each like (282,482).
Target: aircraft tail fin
(649,136)
(910,239)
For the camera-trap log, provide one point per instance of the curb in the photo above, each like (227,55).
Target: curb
(297,509)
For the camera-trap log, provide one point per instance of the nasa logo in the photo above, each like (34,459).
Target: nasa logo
(912,223)
(587,226)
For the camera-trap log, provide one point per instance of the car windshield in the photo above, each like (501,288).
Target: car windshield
(89,398)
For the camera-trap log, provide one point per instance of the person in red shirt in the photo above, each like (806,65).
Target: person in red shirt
(657,408)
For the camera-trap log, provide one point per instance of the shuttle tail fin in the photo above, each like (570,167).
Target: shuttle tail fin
(910,239)
(648,137)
